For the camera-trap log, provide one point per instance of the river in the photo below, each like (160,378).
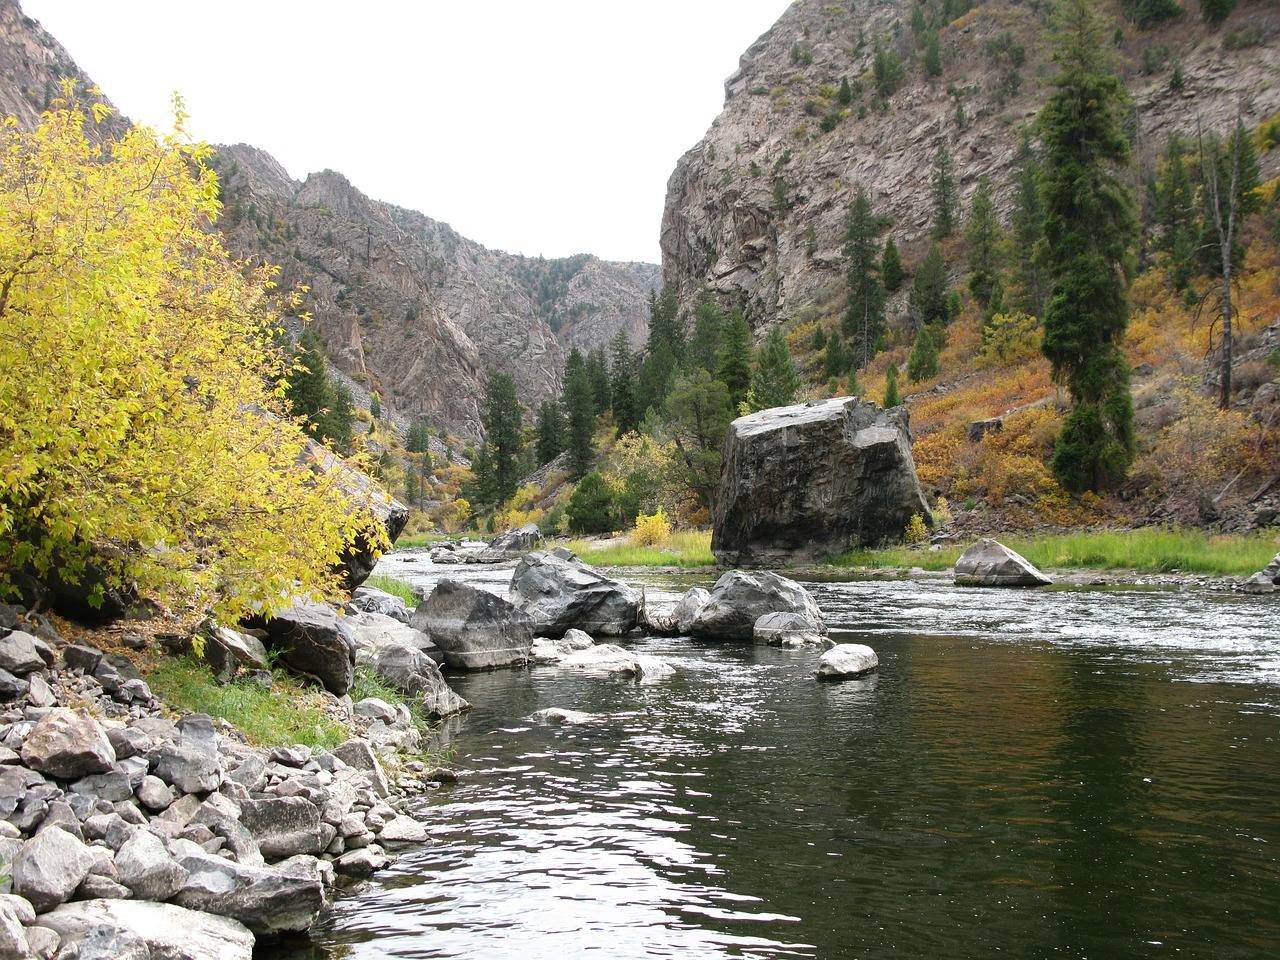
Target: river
(1075,773)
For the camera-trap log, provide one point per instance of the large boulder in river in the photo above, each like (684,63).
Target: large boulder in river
(846,661)
(989,563)
(474,629)
(740,598)
(510,545)
(1266,580)
(805,481)
(560,593)
(412,672)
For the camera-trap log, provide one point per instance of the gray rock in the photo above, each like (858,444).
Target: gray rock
(846,661)
(49,867)
(981,428)
(475,630)
(81,657)
(97,887)
(372,600)
(510,545)
(560,592)
(68,744)
(740,598)
(414,673)
(686,610)
(39,693)
(11,687)
(357,753)
(613,660)
(284,826)
(13,939)
(154,794)
(187,769)
(266,900)
(373,631)
(18,653)
(403,829)
(802,482)
(227,651)
(1265,580)
(362,862)
(548,650)
(989,563)
(313,640)
(110,786)
(146,868)
(557,716)
(789,630)
(128,929)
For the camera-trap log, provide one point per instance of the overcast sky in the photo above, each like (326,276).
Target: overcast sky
(532,127)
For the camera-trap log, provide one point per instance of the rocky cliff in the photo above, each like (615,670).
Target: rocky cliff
(757,210)
(406,306)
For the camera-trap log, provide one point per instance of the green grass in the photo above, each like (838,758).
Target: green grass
(286,714)
(395,587)
(688,548)
(419,540)
(1151,550)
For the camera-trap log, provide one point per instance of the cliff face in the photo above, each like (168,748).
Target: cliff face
(756,212)
(406,306)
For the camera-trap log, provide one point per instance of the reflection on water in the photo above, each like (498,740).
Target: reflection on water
(1052,774)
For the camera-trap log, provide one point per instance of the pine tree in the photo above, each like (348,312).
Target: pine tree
(708,320)
(886,70)
(818,342)
(375,406)
(1028,228)
(891,272)
(579,405)
(923,362)
(985,239)
(943,193)
(1177,213)
(601,386)
(418,438)
(845,96)
(836,361)
(932,55)
(504,437)
(1089,233)
(626,414)
(1214,12)
(550,431)
(891,398)
(733,359)
(863,321)
(776,382)
(326,406)
(929,289)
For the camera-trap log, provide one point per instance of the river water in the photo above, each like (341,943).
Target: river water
(1077,773)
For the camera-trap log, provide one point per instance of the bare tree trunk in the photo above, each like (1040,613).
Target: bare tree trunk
(1222,210)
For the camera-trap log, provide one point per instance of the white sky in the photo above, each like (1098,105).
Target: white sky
(533,127)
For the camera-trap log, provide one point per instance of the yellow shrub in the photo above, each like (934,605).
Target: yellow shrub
(652,531)
(916,530)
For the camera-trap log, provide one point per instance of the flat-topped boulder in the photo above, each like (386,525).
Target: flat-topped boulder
(560,592)
(802,482)
(740,598)
(510,545)
(989,563)
(474,629)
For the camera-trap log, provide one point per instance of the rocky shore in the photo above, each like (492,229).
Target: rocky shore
(128,830)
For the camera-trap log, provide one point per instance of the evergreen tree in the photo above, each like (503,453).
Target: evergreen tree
(836,361)
(818,342)
(550,431)
(601,387)
(590,508)
(334,422)
(733,359)
(943,194)
(698,414)
(656,373)
(932,55)
(1214,12)
(1089,233)
(1176,213)
(708,321)
(418,439)
(886,70)
(891,272)
(776,382)
(504,437)
(929,289)
(864,307)
(891,398)
(985,239)
(375,406)
(1028,224)
(626,413)
(1146,14)
(579,405)
(845,96)
(923,362)
(665,349)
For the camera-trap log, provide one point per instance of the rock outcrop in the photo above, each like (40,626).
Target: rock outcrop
(756,212)
(805,481)
(989,563)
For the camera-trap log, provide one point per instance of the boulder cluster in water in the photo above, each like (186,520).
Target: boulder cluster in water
(124,831)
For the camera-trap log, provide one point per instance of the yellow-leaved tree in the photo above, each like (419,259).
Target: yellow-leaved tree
(142,422)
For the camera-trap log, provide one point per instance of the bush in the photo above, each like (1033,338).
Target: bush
(652,531)
(590,507)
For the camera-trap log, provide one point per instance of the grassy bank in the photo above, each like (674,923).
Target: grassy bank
(688,548)
(1151,550)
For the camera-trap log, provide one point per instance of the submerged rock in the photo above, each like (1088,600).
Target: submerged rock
(809,480)
(989,563)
